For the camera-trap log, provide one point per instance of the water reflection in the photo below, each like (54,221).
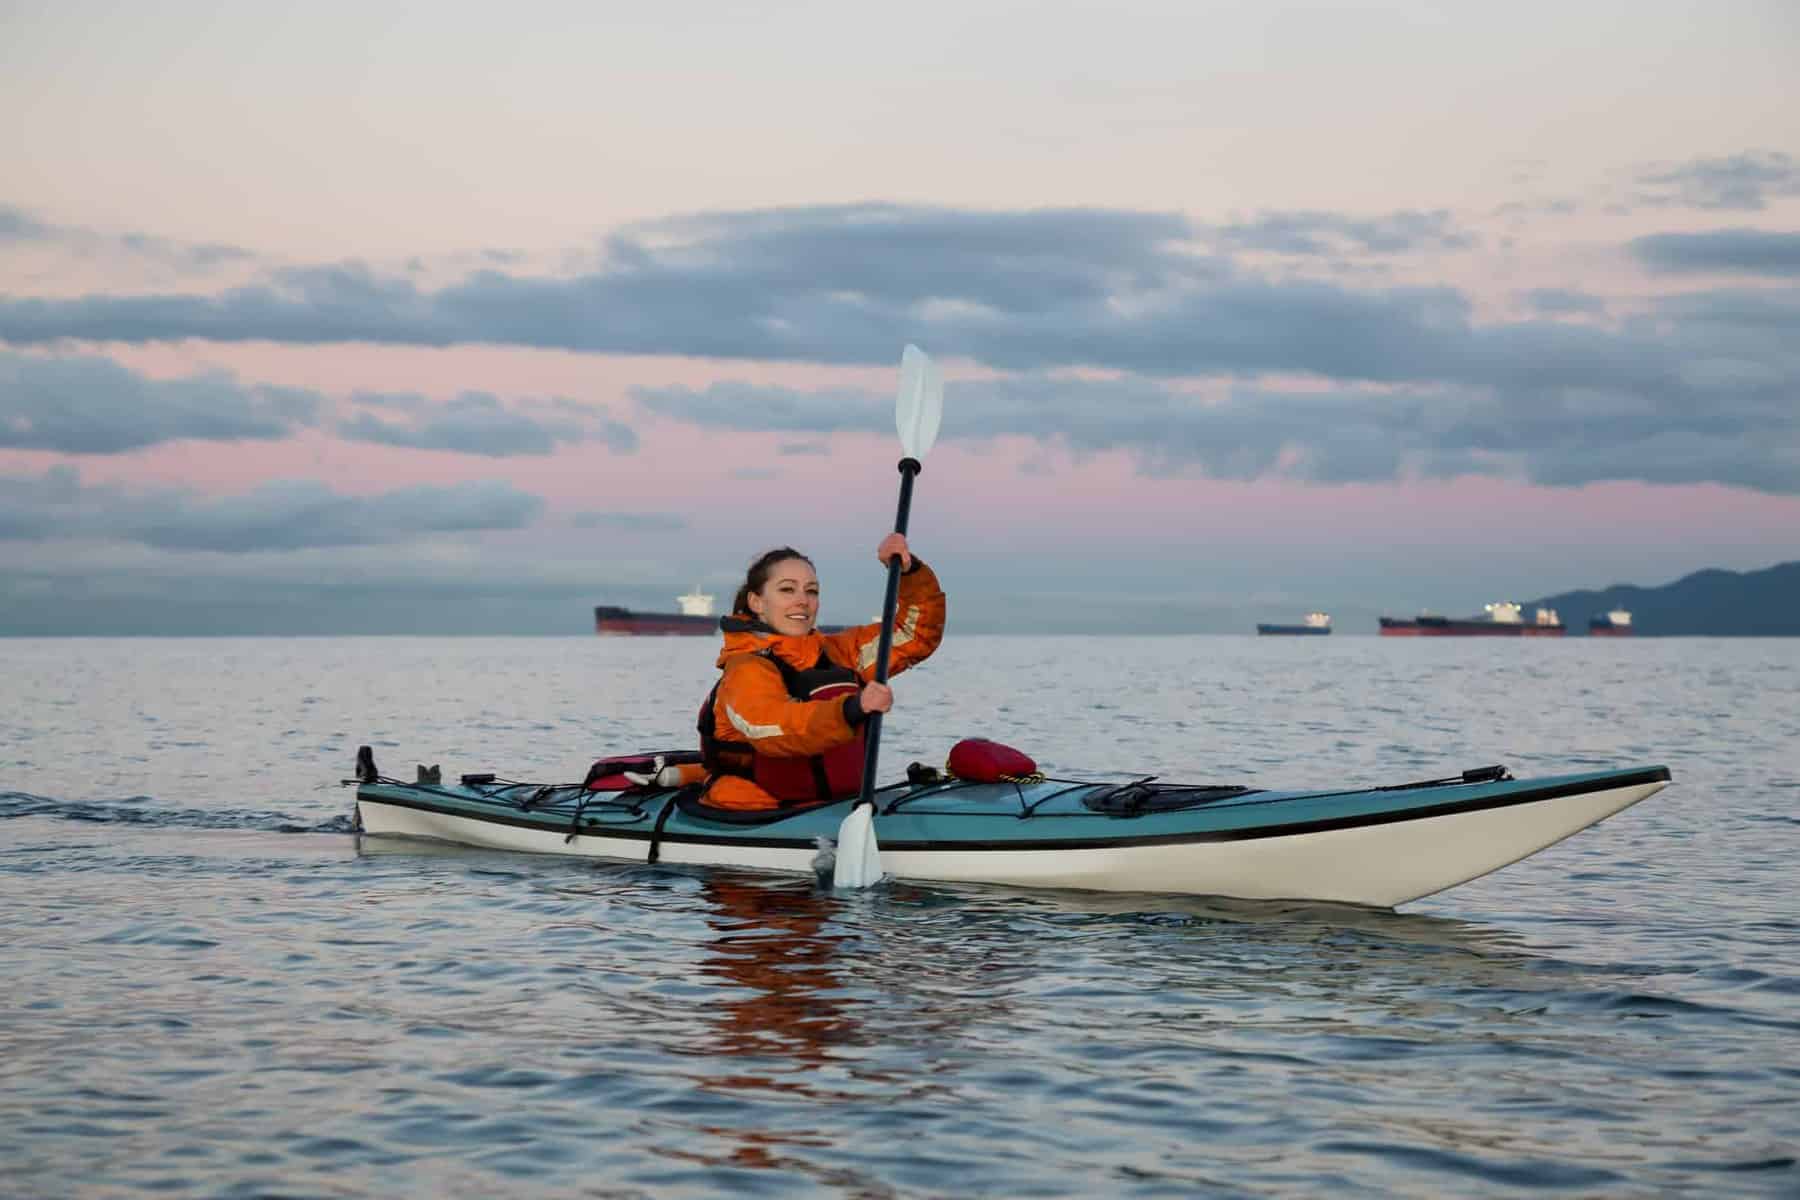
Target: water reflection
(936,998)
(780,1013)
(791,1030)
(772,950)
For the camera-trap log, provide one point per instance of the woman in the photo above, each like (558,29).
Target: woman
(783,727)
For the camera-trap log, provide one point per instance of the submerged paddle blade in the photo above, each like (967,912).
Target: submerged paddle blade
(858,862)
(920,408)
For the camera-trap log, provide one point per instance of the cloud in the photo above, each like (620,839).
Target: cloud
(631,522)
(1721,251)
(1325,234)
(1562,423)
(1015,290)
(406,402)
(747,406)
(1021,292)
(199,255)
(17,225)
(619,437)
(1675,457)
(92,405)
(281,516)
(1741,182)
(839,285)
(479,423)
(1554,302)
(1516,212)
(1759,321)
(86,404)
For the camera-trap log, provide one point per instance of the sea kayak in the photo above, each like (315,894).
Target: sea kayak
(1377,846)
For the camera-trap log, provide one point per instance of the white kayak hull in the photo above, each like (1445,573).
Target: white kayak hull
(1376,864)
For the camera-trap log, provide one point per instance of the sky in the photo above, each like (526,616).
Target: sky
(465,318)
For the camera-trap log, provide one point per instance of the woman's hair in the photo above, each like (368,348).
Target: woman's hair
(759,574)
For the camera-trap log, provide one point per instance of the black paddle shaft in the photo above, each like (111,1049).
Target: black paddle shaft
(890,604)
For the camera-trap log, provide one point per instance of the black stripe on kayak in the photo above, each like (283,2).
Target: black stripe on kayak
(1622,779)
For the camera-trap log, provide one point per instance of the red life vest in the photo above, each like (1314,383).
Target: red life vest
(795,780)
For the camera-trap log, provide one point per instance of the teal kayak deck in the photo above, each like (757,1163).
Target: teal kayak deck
(1049,814)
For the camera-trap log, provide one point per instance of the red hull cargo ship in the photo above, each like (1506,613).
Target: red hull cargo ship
(1501,620)
(696,619)
(612,621)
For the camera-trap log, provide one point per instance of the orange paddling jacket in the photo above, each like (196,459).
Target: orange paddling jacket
(783,727)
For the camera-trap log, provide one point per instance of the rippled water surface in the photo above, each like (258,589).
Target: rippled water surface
(212,987)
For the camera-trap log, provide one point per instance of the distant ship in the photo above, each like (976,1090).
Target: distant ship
(1501,619)
(1315,623)
(1616,623)
(696,619)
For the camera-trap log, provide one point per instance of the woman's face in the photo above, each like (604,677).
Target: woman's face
(789,601)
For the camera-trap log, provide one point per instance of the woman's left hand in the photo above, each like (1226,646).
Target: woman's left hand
(892,544)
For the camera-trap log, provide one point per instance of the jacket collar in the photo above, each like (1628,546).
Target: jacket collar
(750,635)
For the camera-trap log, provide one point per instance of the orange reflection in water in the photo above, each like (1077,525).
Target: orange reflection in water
(779,1011)
(782,974)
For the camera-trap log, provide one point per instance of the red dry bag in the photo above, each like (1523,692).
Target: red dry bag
(978,760)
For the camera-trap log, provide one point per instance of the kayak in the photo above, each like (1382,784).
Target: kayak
(1376,846)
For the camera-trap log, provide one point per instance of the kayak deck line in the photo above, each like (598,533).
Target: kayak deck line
(1373,845)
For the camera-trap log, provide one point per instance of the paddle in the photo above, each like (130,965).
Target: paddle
(917,412)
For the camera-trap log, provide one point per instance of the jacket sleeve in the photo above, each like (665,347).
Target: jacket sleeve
(918,628)
(753,707)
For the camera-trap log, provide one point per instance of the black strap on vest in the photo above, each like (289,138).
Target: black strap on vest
(802,684)
(727,758)
(720,757)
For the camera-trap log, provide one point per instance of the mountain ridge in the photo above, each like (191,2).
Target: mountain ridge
(1711,602)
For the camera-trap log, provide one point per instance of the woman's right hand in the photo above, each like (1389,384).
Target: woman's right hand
(876,697)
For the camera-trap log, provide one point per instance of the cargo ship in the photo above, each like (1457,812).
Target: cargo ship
(1616,623)
(1501,619)
(696,619)
(1315,623)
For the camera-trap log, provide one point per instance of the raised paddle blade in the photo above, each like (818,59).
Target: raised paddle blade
(920,407)
(917,412)
(858,862)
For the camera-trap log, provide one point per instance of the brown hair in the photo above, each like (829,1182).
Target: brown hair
(758,575)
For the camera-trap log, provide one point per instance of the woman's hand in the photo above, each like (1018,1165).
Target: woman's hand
(876,697)
(892,544)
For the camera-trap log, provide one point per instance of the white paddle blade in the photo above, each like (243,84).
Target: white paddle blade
(858,862)
(920,408)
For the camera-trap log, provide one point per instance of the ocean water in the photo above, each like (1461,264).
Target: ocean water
(212,987)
